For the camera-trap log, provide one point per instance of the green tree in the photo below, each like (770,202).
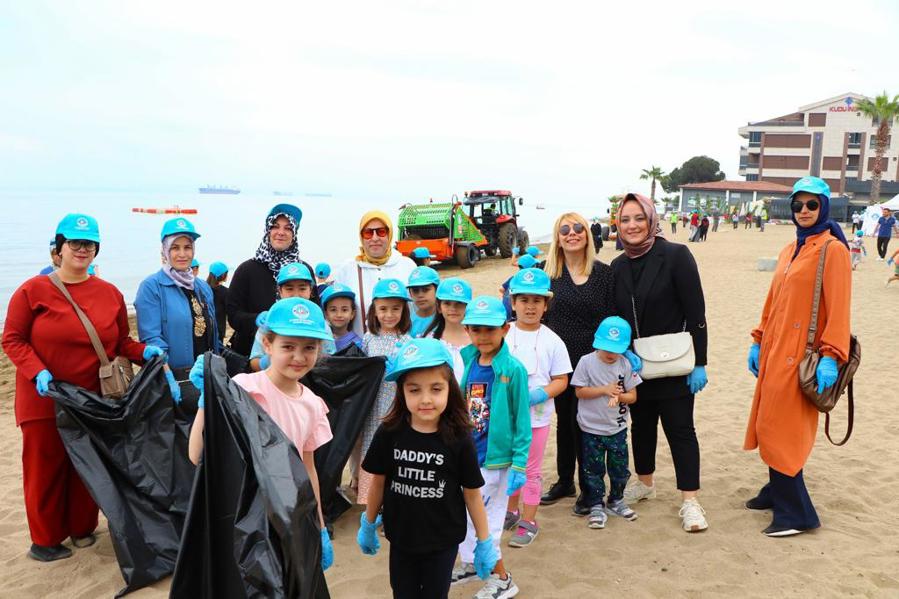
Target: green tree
(884,111)
(654,173)
(699,169)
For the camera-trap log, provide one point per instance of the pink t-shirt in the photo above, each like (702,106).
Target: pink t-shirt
(302,417)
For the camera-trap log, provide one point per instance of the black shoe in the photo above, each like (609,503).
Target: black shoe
(556,492)
(757,504)
(580,507)
(82,542)
(782,531)
(49,554)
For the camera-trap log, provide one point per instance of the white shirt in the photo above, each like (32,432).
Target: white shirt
(396,267)
(544,356)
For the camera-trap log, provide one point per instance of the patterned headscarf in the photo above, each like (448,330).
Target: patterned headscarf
(635,250)
(271,257)
(367,218)
(182,278)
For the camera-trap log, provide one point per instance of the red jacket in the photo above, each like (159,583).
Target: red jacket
(694,219)
(43,331)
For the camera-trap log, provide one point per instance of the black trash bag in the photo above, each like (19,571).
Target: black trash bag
(349,386)
(132,456)
(252,528)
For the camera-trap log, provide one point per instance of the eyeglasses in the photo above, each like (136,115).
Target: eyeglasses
(81,244)
(566,229)
(371,232)
(796,205)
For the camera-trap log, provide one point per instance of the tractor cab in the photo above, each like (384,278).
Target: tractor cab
(493,211)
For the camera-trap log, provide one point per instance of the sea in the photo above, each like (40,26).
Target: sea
(231,226)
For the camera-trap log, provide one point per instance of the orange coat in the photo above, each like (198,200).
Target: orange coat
(783,424)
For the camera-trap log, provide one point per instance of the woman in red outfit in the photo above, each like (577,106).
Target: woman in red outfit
(45,340)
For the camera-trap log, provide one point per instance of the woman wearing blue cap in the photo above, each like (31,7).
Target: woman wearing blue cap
(216,279)
(45,340)
(175,309)
(253,287)
(783,424)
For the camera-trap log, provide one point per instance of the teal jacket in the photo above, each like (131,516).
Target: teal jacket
(509,433)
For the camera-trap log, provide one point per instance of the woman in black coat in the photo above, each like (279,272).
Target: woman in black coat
(253,287)
(658,291)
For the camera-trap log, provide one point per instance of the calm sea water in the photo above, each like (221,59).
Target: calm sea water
(231,228)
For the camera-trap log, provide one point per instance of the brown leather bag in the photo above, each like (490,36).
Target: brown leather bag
(115,376)
(808,380)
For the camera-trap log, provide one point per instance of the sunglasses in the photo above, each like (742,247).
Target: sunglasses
(81,244)
(566,229)
(796,205)
(379,231)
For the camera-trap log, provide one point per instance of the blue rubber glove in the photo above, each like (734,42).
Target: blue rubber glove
(42,381)
(634,359)
(890,261)
(261,318)
(327,550)
(196,378)
(485,558)
(516,251)
(367,537)
(537,395)
(754,353)
(516,481)
(265,361)
(826,373)
(174,387)
(697,379)
(151,351)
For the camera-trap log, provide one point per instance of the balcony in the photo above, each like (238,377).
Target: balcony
(887,188)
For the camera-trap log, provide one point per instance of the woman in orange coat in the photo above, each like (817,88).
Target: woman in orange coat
(783,423)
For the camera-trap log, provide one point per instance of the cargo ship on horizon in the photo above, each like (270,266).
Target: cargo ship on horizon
(220,190)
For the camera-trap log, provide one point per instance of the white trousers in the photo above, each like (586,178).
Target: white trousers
(496,482)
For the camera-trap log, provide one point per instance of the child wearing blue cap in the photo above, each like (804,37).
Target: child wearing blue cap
(605,384)
(548,365)
(525,261)
(339,304)
(453,295)
(322,273)
(195,267)
(857,248)
(294,280)
(421,256)
(388,328)
(293,336)
(496,387)
(218,275)
(422,286)
(425,474)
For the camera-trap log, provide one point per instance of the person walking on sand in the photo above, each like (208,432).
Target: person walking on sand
(884,231)
(673,220)
(783,423)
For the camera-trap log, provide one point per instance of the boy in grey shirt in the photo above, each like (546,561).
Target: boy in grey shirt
(605,385)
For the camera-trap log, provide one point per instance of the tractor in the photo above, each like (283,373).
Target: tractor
(493,212)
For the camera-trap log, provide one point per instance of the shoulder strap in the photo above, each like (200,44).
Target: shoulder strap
(362,300)
(819,279)
(85,321)
(851,418)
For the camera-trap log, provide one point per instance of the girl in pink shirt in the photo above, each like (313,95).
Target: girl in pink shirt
(295,329)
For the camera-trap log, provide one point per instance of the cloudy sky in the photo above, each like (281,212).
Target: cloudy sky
(557,100)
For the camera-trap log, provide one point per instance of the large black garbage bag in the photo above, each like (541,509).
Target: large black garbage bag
(252,526)
(132,456)
(349,386)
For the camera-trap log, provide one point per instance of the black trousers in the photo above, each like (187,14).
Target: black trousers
(673,228)
(568,437)
(788,498)
(676,415)
(882,243)
(421,575)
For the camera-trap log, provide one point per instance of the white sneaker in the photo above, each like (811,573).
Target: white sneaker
(693,516)
(497,588)
(637,491)
(463,573)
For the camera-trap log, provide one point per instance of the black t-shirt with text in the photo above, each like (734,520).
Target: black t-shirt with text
(424,509)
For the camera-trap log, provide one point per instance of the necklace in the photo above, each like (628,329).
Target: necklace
(199,321)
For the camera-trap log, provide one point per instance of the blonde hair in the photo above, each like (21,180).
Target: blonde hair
(555,260)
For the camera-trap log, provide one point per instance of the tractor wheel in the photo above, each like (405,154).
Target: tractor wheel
(524,242)
(463,256)
(508,238)
(489,250)
(474,254)
(605,232)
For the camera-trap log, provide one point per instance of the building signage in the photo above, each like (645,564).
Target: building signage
(848,105)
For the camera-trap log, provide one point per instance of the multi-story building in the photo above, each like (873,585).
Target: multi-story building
(830,139)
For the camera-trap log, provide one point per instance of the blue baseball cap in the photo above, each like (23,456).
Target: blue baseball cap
(390,289)
(322,270)
(336,290)
(289,210)
(813,185)
(297,317)
(485,310)
(516,251)
(217,269)
(454,289)
(295,271)
(530,281)
(423,275)
(53,243)
(613,335)
(534,251)
(527,261)
(422,252)
(418,353)
(859,233)
(178,226)
(79,226)
(92,270)
(195,263)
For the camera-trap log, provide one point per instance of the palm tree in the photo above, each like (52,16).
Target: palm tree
(883,111)
(654,173)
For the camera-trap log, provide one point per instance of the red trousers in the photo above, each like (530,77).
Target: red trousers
(57,503)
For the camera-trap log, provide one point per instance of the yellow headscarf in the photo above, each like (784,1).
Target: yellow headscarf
(367,218)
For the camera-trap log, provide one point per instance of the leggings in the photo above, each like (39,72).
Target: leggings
(530,492)
(882,243)
(416,575)
(676,415)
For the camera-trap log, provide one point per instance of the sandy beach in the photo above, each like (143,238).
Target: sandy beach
(854,487)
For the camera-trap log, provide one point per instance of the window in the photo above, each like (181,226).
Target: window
(755,138)
(752,177)
(852,163)
(855,140)
(873,141)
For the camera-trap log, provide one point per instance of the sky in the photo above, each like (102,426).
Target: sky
(400,100)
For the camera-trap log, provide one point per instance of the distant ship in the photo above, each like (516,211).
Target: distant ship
(225,190)
(286,194)
(318,195)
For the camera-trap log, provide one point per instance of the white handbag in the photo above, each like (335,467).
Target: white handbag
(664,355)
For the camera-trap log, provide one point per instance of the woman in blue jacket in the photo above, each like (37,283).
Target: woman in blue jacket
(176,309)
